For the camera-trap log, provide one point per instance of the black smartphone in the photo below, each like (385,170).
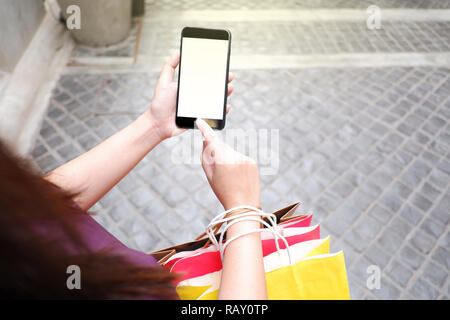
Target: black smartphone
(203,77)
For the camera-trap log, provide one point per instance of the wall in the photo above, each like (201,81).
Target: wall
(19,20)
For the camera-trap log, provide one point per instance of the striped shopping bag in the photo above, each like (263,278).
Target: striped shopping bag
(299,266)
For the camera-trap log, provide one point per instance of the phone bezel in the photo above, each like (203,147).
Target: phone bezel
(203,33)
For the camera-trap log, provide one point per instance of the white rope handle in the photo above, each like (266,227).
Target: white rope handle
(222,249)
(247,218)
(219,219)
(243,217)
(271,217)
(221,215)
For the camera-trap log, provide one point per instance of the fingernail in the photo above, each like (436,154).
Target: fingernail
(196,122)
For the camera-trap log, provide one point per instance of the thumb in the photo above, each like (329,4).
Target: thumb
(173,86)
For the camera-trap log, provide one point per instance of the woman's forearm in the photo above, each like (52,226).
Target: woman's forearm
(243,267)
(91,175)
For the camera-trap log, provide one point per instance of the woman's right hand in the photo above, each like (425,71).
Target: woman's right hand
(234,179)
(233,176)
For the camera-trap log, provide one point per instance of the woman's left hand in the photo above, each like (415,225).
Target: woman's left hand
(163,106)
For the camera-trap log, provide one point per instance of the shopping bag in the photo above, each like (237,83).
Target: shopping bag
(283,215)
(311,273)
(267,240)
(319,275)
(210,261)
(189,289)
(307,274)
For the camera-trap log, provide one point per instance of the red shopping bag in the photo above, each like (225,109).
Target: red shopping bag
(297,222)
(283,215)
(210,261)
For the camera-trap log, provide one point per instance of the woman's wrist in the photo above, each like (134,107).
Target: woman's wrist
(242,224)
(244,209)
(147,131)
(245,223)
(236,203)
(152,127)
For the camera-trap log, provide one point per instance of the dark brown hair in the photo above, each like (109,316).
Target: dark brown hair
(34,266)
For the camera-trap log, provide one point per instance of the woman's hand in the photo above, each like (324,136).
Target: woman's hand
(162,109)
(233,177)
(235,181)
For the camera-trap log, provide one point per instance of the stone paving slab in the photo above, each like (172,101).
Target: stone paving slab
(126,48)
(292,37)
(291,4)
(366,149)
(297,37)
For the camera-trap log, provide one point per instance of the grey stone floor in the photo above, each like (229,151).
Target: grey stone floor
(300,37)
(125,48)
(292,4)
(366,149)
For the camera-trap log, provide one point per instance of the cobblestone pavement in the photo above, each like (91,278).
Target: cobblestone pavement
(310,38)
(292,4)
(366,149)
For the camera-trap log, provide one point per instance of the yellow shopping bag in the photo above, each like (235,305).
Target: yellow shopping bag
(315,277)
(314,274)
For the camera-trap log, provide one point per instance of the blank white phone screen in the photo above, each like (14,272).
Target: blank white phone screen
(202,78)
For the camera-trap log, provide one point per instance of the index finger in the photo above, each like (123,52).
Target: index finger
(207,132)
